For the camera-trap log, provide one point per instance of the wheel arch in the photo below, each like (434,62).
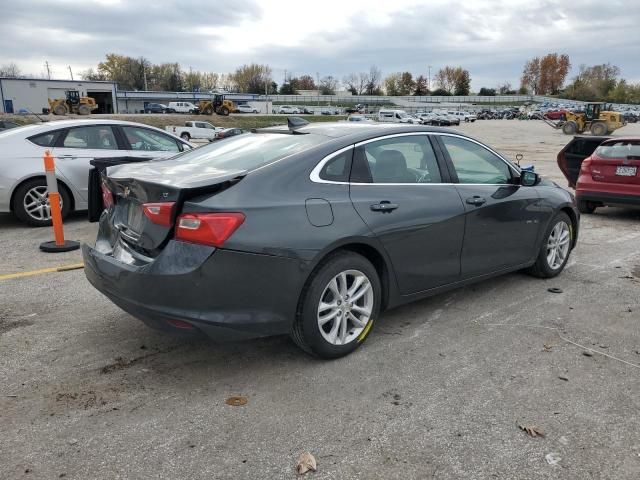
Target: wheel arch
(372,253)
(34,177)
(574,223)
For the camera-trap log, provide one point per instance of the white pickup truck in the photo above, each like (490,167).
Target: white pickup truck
(194,130)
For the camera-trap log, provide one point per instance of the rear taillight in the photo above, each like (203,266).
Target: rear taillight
(586,166)
(107,197)
(159,213)
(207,228)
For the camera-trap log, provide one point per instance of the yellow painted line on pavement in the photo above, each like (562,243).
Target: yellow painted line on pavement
(63,268)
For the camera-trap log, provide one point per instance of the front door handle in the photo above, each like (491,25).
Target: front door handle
(68,157)
(384,206)
(476,200)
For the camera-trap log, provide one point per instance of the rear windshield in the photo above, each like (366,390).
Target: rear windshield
(250,151)
(619,149)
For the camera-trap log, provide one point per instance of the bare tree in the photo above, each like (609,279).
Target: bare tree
(373,81)
(10,70)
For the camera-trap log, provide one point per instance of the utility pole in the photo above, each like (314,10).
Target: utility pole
(144,74)
(285,75)
(46,64)
(70,72)
(429,79)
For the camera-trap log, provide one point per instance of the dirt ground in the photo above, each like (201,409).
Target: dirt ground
(439,390)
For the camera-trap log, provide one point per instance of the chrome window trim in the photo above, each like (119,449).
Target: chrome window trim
(314,176)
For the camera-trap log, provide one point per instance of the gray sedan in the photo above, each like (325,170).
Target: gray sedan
(314,230)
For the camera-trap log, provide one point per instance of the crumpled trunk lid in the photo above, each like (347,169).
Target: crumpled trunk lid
(165,183)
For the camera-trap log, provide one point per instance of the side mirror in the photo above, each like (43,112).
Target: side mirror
(528,178)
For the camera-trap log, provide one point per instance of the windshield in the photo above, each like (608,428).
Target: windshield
(619,149)
(248,152)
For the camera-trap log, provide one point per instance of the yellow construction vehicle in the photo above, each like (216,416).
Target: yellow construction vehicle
(219,104)
(597,118)
(73,103)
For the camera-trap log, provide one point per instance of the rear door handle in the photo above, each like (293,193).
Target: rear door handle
(384,206)
(70,157)
(476,200)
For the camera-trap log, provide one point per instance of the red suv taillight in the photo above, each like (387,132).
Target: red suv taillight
(207,228)
(159,213)
(585,167)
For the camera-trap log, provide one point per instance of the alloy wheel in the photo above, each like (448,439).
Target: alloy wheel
(36,203)
(558,245)
(345,307)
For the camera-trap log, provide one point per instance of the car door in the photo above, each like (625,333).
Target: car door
(503,218)
(77,146)
(144,142)
(400,191)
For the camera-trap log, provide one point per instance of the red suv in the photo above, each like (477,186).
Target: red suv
(603,170)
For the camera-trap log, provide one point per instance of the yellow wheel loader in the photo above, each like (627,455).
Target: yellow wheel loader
(597,118)
(73,103)
(219,104)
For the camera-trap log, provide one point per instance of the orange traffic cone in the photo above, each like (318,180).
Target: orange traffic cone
(59,244)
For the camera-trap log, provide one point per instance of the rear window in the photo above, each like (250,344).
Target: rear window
(619,149)
(248,152)
(44,140)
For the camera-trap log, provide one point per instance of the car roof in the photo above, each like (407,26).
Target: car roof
(35,128)
(357,129)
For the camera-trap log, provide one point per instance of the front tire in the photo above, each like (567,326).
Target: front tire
(570,128)
(338,306)
(31,203)
(185,136)
(555,249)
(599,129)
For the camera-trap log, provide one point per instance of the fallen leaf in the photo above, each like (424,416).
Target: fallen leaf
(236,401)
(547,348)
(532,430)
(587,354)
(306,463)
(564,378)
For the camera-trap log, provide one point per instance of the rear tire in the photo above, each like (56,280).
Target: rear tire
(558,238)
(586,207)
(84,110)
(599,129)
(29,206)
(346,321)
(185,136)
(570,128)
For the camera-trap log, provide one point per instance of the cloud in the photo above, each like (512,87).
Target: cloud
(492,39)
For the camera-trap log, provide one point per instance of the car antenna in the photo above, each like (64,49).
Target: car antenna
(294,123)
(37,116)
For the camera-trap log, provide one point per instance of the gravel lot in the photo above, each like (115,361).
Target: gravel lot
(438,390)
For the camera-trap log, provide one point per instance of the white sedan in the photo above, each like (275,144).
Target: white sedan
(246,109)
(288,109)
(73,144)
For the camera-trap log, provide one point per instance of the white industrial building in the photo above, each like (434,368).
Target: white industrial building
(31,94)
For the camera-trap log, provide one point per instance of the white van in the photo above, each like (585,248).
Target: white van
(183,107)
(396,116)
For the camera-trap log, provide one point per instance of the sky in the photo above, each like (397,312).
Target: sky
(490,38)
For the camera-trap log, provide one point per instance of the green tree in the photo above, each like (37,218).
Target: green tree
(487,92)
(462,83)
(406,84)
(441,92)
(421,87)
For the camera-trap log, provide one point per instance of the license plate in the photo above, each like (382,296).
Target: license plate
(626,171)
